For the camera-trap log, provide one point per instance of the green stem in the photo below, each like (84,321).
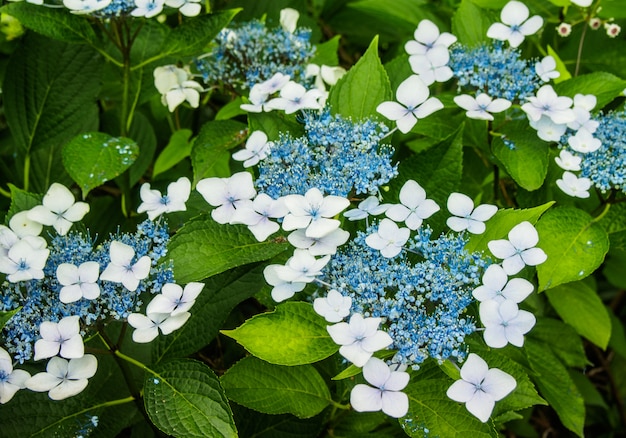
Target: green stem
(26,171)
(580,50)
(337,405)
(603,213)
(133,361)
(5,193)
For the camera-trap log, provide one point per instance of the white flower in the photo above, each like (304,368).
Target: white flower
(61,338)
(369,206)
(257,98)
(147,327)
(497,287)
(519,250)
(414,207)
(85,6)
(189,8)
(78,281)
(294,97)
(121,268)
(226,194)
(583,104)
(564,29)
(548,103)
(23,226)
(282,289)
(516,25)
(546,69)
(147,8)
(59,209)
(426,37)
(256,215)
(567,161)
(317,246)
(480,387)
(388,239)
(302,267)
(313,211)
(504,323)
(414,104)
(173,299)
(63,378)
(11,380)
(24,262)
(186,91)
(289,19)
(324,75)
(584,142)
(612,29)
(571,185)
(547,130)
(156,204)
(8,238)
(256,149)
(582,3)
(168,76)
(359,338)
(432,66)
(466,216)
(274,84)
(333,307)
(482,106)
(385,395)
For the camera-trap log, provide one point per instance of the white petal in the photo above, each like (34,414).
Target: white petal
(364,398)
(481,406)
(395,404)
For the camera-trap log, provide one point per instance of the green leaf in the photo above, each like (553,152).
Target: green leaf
(93,158)
(363,88)
(50,95)
(562,338)
(215,140)
(255,424)
(574,243)
(5,316)
(604,86)
(293,334)
(55,23)
(143,135)
(560,67)
(273,124)
(183,397)
(203,248)
(176,150)
(276,389)
(21,200)
(430,408)
(470,24)
(526,160)
(326,52)
(230,110)
(556,386)
(220,295)
(618,335)
(580,306)
(502,222)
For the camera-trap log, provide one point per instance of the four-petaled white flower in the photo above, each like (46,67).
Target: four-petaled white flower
(480,387)
(282,289)
(333,307)
(515,24)
(11,380)
(414,206)
(121,269)
(313,211)
(583,104)
(547,130)
(156,204)
(369,206)
(359,338)
(226,194)
(175,86)
(389,238)
(584,142)
(302,267)
(24,261)
(548,103)
(256,215)
(432,66)
(519,250)
(386,394)
(274,84)
(568,161)
(317,246)
(256,149)
(505,323)
(189,8)
(63,378)
(294,97)
(546,69)
(62,338)
(59,209)
(482,106)
(571,185)
(85,6)
(426,37)
(173,299)
(23,226)
(289,19)
(414,104)
(147,327)
(78,281)
(466,216)
(497,287)
(147,8)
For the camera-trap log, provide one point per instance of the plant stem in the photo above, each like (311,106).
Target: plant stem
(5,193)
(26,171)
(580,50)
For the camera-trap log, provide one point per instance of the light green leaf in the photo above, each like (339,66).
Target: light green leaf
(176,150)
(470,24)
(276,389)
(230,110)
(574,243)
(203,248)
(326,52)
(183,397)
(363,88)
(580,306)
(560,66)
(21,200)
(563,339)
(273,124)
(556,386)
(293,334)
(604,86)
(213,143)
(93,158)
(5,316)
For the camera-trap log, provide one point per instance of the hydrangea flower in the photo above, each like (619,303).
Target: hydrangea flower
(61,338)
(584,142)
(359,338)
(481,106)
(24,261)
(257,148)
(546,69)
(23,226)
(567,161)
(519,250)
(226,194)
(573,186)
(334,307)
(80,7)
(313,211)
(302,267)
(317,246)
(59,209)
(156,204)
(432,66)
(547,130)
(63,378)
(147,8)
(466,216)
(548,103)
(413,207)
(369,206)
(505,323)
(173,299)
(78,281)
(515,24)
(324,75)
(289,19)
(256,215)
(189,8)
(121,269)
(389,239)
(147,327)
(294,97)
(427,37)
(497,287)
(11,380)
(282,289)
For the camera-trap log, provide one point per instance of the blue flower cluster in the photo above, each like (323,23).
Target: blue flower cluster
(38,300)
(337,155)
(116,8)
(494,69)
(251,53)
(422,295)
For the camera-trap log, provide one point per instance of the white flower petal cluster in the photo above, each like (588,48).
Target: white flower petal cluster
(173,299)
(227,194)
(147,8)
(519,250)
(62,338)
(334,307)
(427,37)
(175,84)
(289,19)
(294,97)
(260,93)
(466,217)
(11,380)
(359,338)
(515,24)
(574,186)
(80,7)
(78,281)
(584,142)
(428,53)
(25,259)
(369,206)
(156,204)
(121,269)
(547,130)
(63,378)
(59,210)
(546,69)
(547,102)
(504,323)
(481,106)
(413,207)
(314,212)
(257,148)
(389,238)
(256,215)
(497,287)
(189,8)
(568,161)
(583,104)
(317,246)
(282,289)
(480,387)
(324,75)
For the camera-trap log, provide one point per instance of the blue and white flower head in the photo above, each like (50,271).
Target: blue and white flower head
(313,212)
(294,97)
(389,239)
(432,66)
(121,269)
(156,204)
(24,261)
(78,281)
(147,8)
(63,378)
(173,299)
(317,246)
(302,267)
(567,161)
(584,142)
(546,69)
(547,102)
(547,130)
(515,24)
(369,206)
(334,307)
(282,289)
(81,7)
(256,214)
(147,327)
